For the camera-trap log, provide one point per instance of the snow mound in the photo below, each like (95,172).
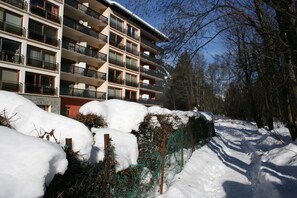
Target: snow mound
(125,144)
(29,119)
(120,115)
(27,164)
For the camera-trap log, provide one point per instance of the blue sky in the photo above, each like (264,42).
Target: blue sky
(212,49)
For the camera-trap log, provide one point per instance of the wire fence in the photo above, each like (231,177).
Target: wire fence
(162,154)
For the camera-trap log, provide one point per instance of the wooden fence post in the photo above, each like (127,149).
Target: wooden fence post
(107,164)
(68,142)
(163,153)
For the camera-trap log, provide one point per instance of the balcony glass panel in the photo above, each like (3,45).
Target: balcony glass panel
(17,3)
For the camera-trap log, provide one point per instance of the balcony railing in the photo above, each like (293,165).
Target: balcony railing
(152,45)
(12,57)
(115,97)
(131,83)
(83,50)
(150,101)
(35,62)
(87,10)
(116,80)
(116,62)
(151,72)
(68,91)
(81,28)
(132,67)
(12,28)
(10,86)
(43,38)
(117,45)
(40,89)
(150,58)
(17,3)
(44,13)
(83,71)
(132,51)
(151,87)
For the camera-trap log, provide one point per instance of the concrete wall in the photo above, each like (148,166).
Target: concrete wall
(54,103)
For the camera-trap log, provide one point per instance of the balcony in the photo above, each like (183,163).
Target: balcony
(134,36)
(81,28)
(44,13)
(12,57)
(132,67)
(12,28)
(82,8)
(150,101)
(10,86)
(40,89)
(68,91)
(116,62)
(84,72)
(152,45)
(132,51)
(35,62)
(132,84)
(116,80)
(117,45)
(83,50)
(43,38)
(151,87)
(151,59)
(17,3)
(151,72)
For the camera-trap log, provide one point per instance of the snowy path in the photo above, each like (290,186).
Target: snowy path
(230,165)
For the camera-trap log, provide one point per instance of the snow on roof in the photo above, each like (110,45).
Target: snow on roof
(136,17)
(120,115)
(29,119)
(27,164)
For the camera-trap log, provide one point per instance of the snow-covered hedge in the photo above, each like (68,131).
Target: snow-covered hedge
(31,120)
(27,164)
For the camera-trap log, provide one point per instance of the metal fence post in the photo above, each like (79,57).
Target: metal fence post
(107,164)
(163,153)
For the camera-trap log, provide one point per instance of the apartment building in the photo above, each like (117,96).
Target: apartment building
(62,54)
(30,34)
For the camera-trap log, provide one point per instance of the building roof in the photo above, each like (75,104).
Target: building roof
(136,19)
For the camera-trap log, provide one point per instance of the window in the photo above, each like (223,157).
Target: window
(131,63)
(115,76)
(37,57)
(132,32)
(130,95)
(116,41)
(45,9)
(114,93)
(10,22)
(116,58)
(43,33)
(9,80)
(39,84)
(116,23)
(131,48)
(10,50)
(131,80)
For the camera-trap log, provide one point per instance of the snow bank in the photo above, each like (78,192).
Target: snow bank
(125,144)
(120,115)
(27,164)
(29,119)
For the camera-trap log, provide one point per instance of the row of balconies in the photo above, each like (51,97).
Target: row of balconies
(28,88)
(124,47)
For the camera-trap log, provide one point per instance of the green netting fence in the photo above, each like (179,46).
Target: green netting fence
(157,165)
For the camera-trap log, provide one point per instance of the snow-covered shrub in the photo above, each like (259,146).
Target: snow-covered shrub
(91,120)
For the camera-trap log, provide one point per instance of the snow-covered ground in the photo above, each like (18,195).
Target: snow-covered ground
(241,161)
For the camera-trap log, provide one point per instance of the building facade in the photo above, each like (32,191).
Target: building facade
(61,54)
